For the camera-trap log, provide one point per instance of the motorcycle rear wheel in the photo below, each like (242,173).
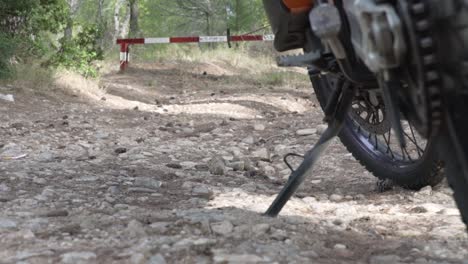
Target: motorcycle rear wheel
(411,173)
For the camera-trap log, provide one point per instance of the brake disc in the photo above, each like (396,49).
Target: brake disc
(368,111)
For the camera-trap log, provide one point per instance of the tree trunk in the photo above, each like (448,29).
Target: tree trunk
(124,29)
(134,13)
(99,13)
(208,24)
(237,16)
(68,32)
(100,24)
(74,6)
(117,7)
(208,27)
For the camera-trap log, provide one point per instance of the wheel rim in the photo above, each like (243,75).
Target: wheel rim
(368,124)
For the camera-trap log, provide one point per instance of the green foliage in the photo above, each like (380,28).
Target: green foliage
(34,30)
(49,15)
(80,53)
(25,28)
(27,17)
(180,17)
(246,15)
(7,50)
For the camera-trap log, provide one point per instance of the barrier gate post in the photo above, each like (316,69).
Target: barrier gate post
(124,56)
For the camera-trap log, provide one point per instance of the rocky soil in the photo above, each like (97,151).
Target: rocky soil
(173,165)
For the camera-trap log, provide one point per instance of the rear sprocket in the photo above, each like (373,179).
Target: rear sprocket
(422,66)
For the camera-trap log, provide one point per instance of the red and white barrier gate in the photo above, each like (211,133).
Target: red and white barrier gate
(126,43)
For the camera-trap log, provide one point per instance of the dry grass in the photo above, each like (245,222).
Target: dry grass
(32,76)
(240,59)
(76,84)
(256,64)
(259,69)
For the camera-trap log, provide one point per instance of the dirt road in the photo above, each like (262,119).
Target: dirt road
(172,164)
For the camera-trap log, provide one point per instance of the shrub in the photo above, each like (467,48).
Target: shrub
(79,53)
(7,50)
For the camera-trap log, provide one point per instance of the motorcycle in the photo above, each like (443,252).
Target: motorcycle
(392,79)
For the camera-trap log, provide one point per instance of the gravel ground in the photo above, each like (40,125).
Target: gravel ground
(173,165)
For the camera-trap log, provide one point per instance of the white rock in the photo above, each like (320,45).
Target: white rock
(45,156)
(446,232)
(6,223)
(78,257)
(222,228)
(360,197)
(76,152)
(102,135)
(237,259)
(280,148)
(306,132)
(433,208)
(188,130)
(148,182)
(237,152)
(217,166)
(249,140)
(336,198)
(269,170)
(309,254)
(38,180)
(114,190)
(261,154)
(388,259)
(4,188)
(160,227)
(279,235)
(237,165)
(450,211)
(157,259)
(426,191)
(228,158)
(188,164)
(11,151)
(321,128)
(135,229)
(259,127)
(421,261)
(7,97)
(190,242)
(261,229)
(202,191)
(309,200)
(37,224)
(137,258)
(340,247)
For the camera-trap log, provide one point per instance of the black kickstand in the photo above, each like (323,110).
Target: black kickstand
(341,107)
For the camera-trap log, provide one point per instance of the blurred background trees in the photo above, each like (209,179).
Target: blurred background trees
(75,33)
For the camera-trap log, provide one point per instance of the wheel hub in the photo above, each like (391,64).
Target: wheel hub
(369,112)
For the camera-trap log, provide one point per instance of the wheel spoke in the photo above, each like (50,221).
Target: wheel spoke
(407,154)
(413,141)
(389,148)
(373,125)
(420,151)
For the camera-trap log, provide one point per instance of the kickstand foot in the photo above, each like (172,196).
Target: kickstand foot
(312,156)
